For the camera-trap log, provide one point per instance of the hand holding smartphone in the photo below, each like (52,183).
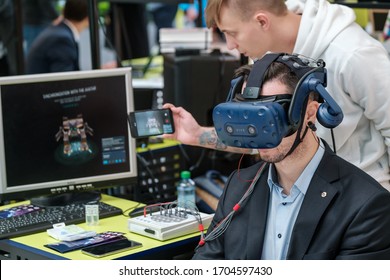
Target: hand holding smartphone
(109,248)
(147,123)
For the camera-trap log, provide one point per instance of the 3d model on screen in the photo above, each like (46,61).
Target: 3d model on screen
(74,134)
(153,124)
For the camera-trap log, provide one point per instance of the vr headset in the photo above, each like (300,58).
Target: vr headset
(248,120)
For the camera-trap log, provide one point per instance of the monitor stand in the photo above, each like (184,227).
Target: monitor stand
(63,199)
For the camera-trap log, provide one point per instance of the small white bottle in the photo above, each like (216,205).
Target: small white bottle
(92,214)
(186,191)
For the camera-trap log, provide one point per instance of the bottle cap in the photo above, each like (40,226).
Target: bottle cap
(185,174)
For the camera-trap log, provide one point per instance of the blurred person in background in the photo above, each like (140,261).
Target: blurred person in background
(56,48)
(8,59)
(37,15)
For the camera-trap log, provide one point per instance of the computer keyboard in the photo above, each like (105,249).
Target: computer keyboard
(28,219)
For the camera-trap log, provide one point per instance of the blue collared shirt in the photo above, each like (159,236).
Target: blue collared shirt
(283,209)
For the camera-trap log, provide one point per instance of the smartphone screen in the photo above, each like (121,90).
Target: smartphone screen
(18,210)
(147,123)
(109,248)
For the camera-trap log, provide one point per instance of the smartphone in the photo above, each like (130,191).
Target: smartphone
(18,210)
(109,248)
(145,123)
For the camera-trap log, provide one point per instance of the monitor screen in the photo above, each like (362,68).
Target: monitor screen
(62,132)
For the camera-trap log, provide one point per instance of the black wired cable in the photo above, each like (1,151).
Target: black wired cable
(222,226)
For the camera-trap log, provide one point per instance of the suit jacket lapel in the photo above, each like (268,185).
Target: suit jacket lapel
(257,217)
(320,193)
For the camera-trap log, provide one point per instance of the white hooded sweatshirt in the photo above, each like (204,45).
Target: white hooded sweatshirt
(358,79)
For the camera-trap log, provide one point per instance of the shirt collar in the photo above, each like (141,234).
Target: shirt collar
(76,34)
(302,183)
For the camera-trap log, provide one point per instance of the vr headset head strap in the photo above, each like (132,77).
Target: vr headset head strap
(256,76)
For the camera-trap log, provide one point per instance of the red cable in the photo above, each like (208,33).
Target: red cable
(238,170)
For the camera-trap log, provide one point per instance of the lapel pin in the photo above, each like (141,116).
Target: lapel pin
(324,194)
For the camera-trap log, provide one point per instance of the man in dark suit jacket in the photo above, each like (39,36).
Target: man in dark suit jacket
(56,48)
(301,201)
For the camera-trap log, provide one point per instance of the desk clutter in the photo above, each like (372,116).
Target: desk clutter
(167,220)
(64,232)
(68,246)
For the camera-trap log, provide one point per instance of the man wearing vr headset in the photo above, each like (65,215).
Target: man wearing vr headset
(301,201)
(358,68)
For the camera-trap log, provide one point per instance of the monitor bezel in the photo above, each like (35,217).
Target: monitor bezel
(98,182)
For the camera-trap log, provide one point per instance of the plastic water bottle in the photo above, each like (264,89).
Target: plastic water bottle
(186,190)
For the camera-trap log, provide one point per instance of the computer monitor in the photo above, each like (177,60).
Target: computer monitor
(65,132)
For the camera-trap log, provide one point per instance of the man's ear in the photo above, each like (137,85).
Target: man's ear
(311,111)
(263,19)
